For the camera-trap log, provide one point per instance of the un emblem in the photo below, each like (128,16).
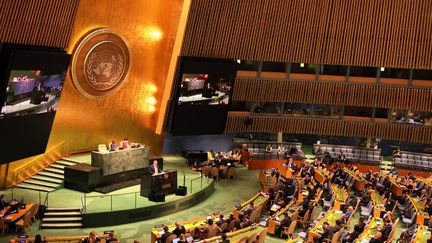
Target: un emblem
(100,63)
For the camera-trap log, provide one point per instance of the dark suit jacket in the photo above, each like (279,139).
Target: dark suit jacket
(152,170)
(386,231)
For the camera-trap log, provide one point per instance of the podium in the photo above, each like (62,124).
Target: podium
(161,184)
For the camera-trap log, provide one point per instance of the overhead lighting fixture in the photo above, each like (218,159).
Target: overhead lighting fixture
(382,69)
(301,64)
(238,61)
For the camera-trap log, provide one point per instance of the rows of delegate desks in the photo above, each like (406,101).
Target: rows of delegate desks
(330,217)
(371,230)
(378,203)
(13,217)
(258,199)
(422,234)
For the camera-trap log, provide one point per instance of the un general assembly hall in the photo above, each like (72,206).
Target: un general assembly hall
(216,121)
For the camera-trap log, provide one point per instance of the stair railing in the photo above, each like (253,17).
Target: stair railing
(83,203)
(37,164)
(45,203)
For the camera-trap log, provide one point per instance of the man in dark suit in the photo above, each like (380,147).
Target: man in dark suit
(154,168)
(284,223)
(165,235)
(386,229)
(327,234)
(377,238)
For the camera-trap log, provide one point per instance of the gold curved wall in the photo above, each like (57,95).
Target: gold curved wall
(150,29)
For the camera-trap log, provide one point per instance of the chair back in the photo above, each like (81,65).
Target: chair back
(262,235)
(214,172)
(205,171)
(3,224)
(252,238)
(231,172)
(224,226)
(170,238)
(232,224)
(243,240)
(336,237)
(306,216)
(27,218)
(34,210)
(255,214)
(212,232)
(292,227)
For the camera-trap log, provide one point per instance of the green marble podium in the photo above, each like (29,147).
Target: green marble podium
(121,160)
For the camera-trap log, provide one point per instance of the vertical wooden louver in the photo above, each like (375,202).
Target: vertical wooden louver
(305,125)
(379,33)
(37,22)
(404,98)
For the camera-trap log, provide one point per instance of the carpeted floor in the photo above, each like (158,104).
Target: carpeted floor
(226,195)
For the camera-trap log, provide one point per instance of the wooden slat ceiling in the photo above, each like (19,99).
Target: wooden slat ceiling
(388,33)
(36,22)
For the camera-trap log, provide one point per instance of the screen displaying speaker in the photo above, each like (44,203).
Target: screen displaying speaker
(201,96)
(31,81)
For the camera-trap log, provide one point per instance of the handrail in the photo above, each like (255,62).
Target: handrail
(83,206)
(30,168)
(199,177)
(45,203)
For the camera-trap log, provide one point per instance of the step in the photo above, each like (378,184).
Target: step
(61,219)
(62,209)
(58,166)
(48,179)
(43,183)
(54,170)
(386,167)
(50,174)
(34,187)
(65,163)
(62,214)
(62,225)
(71,160)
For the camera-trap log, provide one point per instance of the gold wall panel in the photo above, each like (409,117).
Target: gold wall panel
(380,33)
(319,126)
(150,30)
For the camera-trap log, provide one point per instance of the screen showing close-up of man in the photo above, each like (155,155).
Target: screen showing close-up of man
(31,91)
(32,81)
(202,95)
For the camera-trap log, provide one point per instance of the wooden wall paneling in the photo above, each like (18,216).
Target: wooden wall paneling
(369,33)
(33,22)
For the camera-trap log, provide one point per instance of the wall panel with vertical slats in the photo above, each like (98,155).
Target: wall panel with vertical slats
(295,125)
(388,33)
(36,22)
(415,99)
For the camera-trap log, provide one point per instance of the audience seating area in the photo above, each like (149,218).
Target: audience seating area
(353,154)
(258,149)
(413,160)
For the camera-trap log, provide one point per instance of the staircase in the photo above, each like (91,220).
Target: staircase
(49,179)
(62,218)
(386,166)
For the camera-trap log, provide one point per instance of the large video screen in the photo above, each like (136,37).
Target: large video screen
(31,92)
(201,97)
(31,81)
